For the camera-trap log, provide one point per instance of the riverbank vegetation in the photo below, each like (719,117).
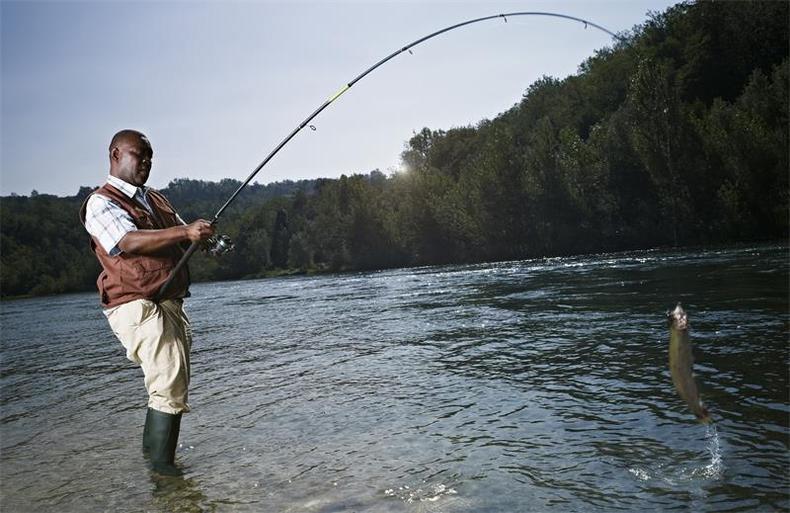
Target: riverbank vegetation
(677,136)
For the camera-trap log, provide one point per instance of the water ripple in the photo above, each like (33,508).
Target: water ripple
(528,385)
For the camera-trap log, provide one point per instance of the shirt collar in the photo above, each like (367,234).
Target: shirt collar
(125,187)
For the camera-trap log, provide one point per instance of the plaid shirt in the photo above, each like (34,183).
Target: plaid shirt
(107,221)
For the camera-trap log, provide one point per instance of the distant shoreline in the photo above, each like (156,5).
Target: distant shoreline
(285,273)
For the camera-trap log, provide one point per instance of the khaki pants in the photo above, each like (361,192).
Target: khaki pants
(158,338)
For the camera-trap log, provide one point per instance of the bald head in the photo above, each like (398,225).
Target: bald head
(130,157)
(126,136)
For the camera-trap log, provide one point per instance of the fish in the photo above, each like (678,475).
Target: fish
(681,362)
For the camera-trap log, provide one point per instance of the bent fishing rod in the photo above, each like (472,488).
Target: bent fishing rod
(194,246)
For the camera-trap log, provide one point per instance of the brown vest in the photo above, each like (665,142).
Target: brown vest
(127,277)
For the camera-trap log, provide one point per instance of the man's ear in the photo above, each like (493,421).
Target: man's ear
(115,154)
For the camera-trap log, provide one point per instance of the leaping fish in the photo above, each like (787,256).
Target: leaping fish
(681,362)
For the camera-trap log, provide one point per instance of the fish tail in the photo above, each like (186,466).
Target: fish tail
(704,416)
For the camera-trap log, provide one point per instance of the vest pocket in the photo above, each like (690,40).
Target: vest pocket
(143,274)
(150,269)
(144,220)
(102,286)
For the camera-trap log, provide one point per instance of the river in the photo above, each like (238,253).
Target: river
(537,385)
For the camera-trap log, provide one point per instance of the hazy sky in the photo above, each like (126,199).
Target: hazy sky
(216,85)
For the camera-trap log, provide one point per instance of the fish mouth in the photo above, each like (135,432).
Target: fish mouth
(678,318)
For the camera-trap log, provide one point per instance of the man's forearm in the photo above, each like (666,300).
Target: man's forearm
(145,242)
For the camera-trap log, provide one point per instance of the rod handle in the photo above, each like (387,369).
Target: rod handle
(181,263)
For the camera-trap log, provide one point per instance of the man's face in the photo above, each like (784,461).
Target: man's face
(133,161)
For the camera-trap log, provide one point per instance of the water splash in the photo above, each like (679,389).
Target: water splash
(715,468)
(673,475)
(427,493)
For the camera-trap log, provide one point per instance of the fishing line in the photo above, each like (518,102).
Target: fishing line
(407,48)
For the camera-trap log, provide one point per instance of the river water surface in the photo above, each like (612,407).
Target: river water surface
(537,385)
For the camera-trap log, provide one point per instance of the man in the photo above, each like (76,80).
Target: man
(137,236)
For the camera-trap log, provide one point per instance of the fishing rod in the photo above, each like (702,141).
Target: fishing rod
(224,243)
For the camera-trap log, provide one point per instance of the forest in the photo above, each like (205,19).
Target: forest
(676,136)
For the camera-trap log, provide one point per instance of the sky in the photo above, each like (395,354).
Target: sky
(217,85)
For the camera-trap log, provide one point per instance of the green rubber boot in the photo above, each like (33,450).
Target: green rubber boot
(146,433)
(160,439)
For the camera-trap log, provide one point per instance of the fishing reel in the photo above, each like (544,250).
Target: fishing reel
(218,245)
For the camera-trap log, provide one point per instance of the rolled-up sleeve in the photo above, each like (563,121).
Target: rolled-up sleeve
(107,222)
